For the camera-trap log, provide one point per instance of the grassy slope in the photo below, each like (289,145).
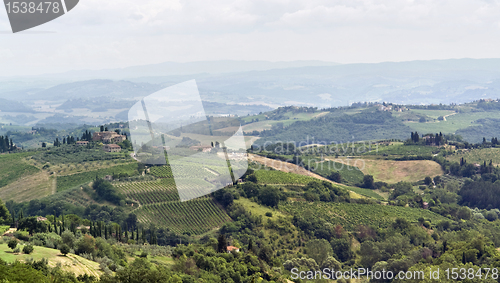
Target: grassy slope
(259,210)
(71,262)
(69,181)
(391,171)
(20,180)
(434,114)
(14,166)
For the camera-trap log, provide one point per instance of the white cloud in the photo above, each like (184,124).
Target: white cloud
(118,33)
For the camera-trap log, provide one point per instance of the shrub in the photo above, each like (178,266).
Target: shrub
(269,214)
(64,249)
(144,254)
(12,244)
(427,224)
(16,250)
(28,249)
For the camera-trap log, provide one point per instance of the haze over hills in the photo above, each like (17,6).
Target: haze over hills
(268,84)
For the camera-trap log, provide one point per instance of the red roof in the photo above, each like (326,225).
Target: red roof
(113,145)
(232,248)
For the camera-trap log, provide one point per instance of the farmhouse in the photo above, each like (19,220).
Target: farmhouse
(108,137)
(232,249)
(111,148)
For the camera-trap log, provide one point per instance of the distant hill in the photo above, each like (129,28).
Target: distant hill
(13,106)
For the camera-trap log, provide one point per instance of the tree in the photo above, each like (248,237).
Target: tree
(250,245)
(32,225)
(131,220)
(427,181)
(319,250)
(368,181)
(269,196)
(12,244)
(68,238)
(85,244)
(44,144)
(4,213)
(336,177)
(266,253)
(64,249)
(221,244)
(28,249)
(102,129)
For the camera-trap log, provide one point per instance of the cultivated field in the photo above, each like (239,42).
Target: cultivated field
(477,156)
(30,187)
(391,171)
(194,217)
(292,168)
(352,215)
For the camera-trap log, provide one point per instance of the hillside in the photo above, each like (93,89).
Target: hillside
(391,171)
(70,263)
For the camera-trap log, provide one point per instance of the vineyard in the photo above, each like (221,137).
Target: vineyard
(279,177)
(149,192)
(349,173)
(193,217)
(351,215)
(186,171)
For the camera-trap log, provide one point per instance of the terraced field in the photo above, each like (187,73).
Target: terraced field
(194,217)
(160,204)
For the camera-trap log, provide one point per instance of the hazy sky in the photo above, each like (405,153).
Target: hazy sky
(117,33)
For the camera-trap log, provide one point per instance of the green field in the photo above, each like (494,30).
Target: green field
(401,149)
(434,114)
(365,192)
(325,168)
(477,155)
(453,122)
(351,215)
(282,178)
(69,181)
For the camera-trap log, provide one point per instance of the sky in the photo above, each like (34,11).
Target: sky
(99,34)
